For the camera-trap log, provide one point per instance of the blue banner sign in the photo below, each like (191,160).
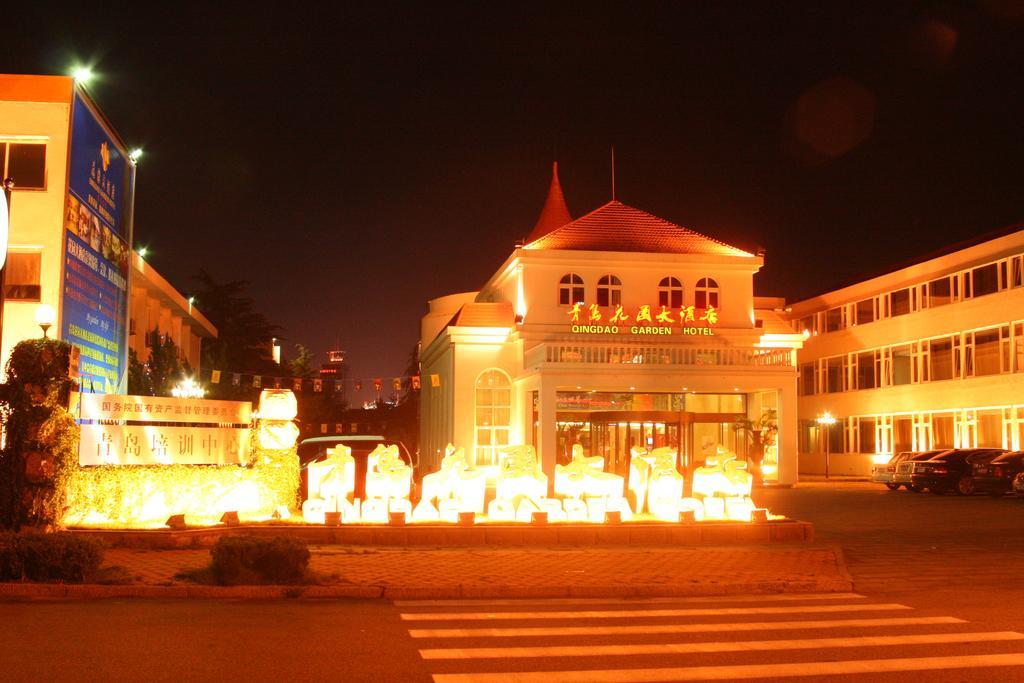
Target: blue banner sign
(97,253)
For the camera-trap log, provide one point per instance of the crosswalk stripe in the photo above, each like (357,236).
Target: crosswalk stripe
(740,671)
(709,647)
(779,597)
(661,629)
(648,613)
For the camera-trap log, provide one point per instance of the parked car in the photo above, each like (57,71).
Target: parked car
(952,470)
(905,468)
(315,449)
(1018,484)
(886,473)
(996,477)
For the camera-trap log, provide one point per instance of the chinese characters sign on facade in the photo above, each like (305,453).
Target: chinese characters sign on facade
(645,319)
(148,430)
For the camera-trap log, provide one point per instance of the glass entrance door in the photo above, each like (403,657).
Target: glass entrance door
(613,435)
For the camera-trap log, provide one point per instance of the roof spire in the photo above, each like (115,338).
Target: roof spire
(555,213)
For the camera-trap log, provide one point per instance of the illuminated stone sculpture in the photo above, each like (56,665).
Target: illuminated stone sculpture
(387,475)
(275,417)
(333,479)
(654,479)
(585,477)
(520,475)
(457,481)
(710,479)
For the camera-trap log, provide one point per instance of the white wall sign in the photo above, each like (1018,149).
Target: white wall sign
(215,433)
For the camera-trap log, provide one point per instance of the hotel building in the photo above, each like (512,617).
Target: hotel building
(71,233)
(927,355)
(613,330)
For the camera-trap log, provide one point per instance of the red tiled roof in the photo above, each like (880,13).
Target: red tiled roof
(485,315)
(617,227)
(555,213)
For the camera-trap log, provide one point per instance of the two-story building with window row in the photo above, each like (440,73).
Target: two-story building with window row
(614,330)
(928,355)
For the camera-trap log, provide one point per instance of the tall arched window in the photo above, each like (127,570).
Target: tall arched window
(609,291)
(670,293)
(570,290)
(705,295)
(493,415)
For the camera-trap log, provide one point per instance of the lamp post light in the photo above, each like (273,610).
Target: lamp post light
(826,420)
(45,317)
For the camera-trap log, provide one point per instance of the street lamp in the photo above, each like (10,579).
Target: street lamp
(826,420)
(45,317)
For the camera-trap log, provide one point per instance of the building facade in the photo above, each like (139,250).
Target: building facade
(928,355)
(71,235)
(614,330)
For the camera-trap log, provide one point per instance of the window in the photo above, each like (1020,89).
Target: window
(939,292)
(493,415)
(807,324)
(940,359)
(990,429)
(901,364)
(900,303)
(1018,347)
(834,375)
(706,293)
(833,319)
(985,280)
(670,293)
(609,291)
(942,430)
(902,433)
(866,371)
(570,290)
(866,427)
(1017,271)
(21,277)
(985,355)
(865,311)
(806,379)
(26,164)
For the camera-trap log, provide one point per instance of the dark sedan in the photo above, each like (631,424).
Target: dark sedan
(952,470)
(905,468)
(996,478)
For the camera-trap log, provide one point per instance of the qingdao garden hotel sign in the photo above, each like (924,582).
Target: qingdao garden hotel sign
(591,319)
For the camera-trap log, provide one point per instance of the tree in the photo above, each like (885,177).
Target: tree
(758,433)
(302,366)
(158,375)
(244,336)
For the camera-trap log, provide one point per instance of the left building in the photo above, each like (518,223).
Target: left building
(70,237)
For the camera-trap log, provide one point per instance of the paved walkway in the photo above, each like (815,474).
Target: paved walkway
(525,571)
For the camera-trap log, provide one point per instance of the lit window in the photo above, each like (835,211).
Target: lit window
(570,290)
(493,415)
(21,276)
(670,293)
(609,291)
(26,164)
(706,293)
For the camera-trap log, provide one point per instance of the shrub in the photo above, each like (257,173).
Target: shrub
(49,557)
(251,559)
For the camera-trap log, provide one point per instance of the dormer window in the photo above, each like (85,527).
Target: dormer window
(706,293)
(609,291)
(670,293)
(570,290)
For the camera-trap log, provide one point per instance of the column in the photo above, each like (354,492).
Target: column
(788,458)
(547,436)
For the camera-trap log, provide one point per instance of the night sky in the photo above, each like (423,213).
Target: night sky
(354,162)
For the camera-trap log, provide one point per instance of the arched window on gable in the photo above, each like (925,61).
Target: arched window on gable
(670,293)
(609,291)
(493,417)
(705,295)
(570,290)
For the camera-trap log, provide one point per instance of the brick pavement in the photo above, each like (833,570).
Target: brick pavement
(525,568)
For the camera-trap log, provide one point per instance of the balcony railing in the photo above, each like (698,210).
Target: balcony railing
(616,354)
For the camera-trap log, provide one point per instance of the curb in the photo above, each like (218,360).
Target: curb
(190,592)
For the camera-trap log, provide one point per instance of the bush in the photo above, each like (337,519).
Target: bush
(49,557)
(251,559)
